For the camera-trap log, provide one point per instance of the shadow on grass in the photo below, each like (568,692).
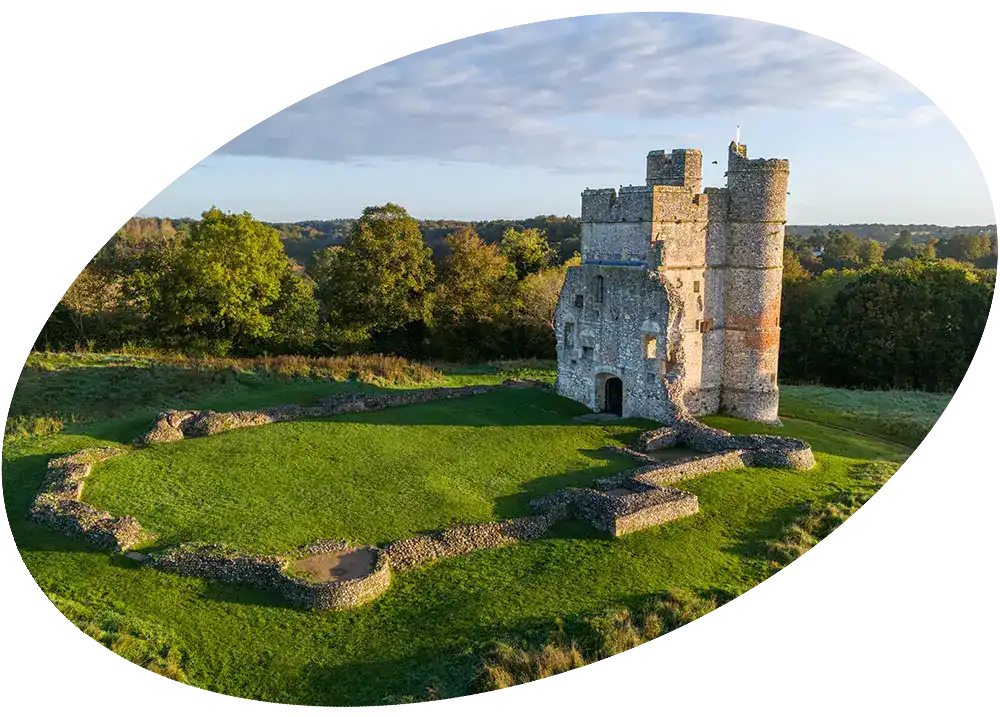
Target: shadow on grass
(504,407)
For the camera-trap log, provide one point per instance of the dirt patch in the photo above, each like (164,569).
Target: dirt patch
(336,566)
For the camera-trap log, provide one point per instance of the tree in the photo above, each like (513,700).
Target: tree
(966,247)
(792,269)
(527,249)
(376,283)
(535,310)
(295,314)
(216,292)
(472,296)
(841,251)
(871,253)
(901,248)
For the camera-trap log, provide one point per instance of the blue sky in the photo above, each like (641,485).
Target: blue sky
(517,122)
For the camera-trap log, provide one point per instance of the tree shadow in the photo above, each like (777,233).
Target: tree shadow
(501,408)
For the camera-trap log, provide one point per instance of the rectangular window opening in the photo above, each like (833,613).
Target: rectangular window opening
(568,335)
(697,287)
(651,347)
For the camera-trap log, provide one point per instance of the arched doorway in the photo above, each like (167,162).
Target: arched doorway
(613,395)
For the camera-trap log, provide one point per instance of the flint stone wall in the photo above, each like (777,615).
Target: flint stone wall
(269,572)
(58,503)
(644,506)
(423,549)
(755,450)
(177,425)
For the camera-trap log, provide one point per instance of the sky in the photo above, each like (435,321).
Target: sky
(516,123)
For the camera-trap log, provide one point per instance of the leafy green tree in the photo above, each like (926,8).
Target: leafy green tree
(534,315)
(841,251)
(472,297)
(376,283)
(294,316)
(216,292)
(792,269)
(966,247)
(871,253)
(528,249)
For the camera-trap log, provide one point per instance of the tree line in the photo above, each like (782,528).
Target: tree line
(855,313)
(225,285)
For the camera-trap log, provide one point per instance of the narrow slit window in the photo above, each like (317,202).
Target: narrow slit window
(599,289)
(578,301)
(568,335)
(697,287)
(651,347)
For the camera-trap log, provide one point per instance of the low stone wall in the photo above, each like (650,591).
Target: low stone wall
(176,425)
(423,549)
(58,504)
(643,505)
(756,450)
(649,508)
(682,469)
(269,572)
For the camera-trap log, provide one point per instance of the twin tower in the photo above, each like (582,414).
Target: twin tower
(675,307)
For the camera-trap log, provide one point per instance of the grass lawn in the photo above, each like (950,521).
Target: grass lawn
(376,477)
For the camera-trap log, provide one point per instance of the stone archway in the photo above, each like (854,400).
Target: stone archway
(613,397)
(609,393)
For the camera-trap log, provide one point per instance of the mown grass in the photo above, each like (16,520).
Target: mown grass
(371,478)
(430,634)
(903,416)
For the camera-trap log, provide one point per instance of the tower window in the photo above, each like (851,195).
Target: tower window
(651,347)
(598,287)
(697,325)
(578,301)
(697,287)
(588,352)
(568,335)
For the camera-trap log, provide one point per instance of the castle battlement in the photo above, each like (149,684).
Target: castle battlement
(738,161)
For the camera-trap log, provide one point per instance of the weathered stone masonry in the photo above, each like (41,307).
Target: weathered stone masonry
(678,294)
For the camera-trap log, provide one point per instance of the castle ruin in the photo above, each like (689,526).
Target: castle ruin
(674,309)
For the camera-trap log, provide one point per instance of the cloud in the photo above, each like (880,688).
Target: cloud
(538,94)
(888,118)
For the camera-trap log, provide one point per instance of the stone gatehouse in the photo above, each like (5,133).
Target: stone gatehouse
(675,307)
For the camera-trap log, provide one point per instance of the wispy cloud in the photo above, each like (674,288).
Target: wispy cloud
(516,96)
(888,118)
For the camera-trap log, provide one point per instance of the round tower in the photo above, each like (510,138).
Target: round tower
(757,197)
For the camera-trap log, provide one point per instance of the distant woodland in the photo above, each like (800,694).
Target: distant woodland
(866,306)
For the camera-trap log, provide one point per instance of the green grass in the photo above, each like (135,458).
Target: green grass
(466,459)
(372,478)
(902,416)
